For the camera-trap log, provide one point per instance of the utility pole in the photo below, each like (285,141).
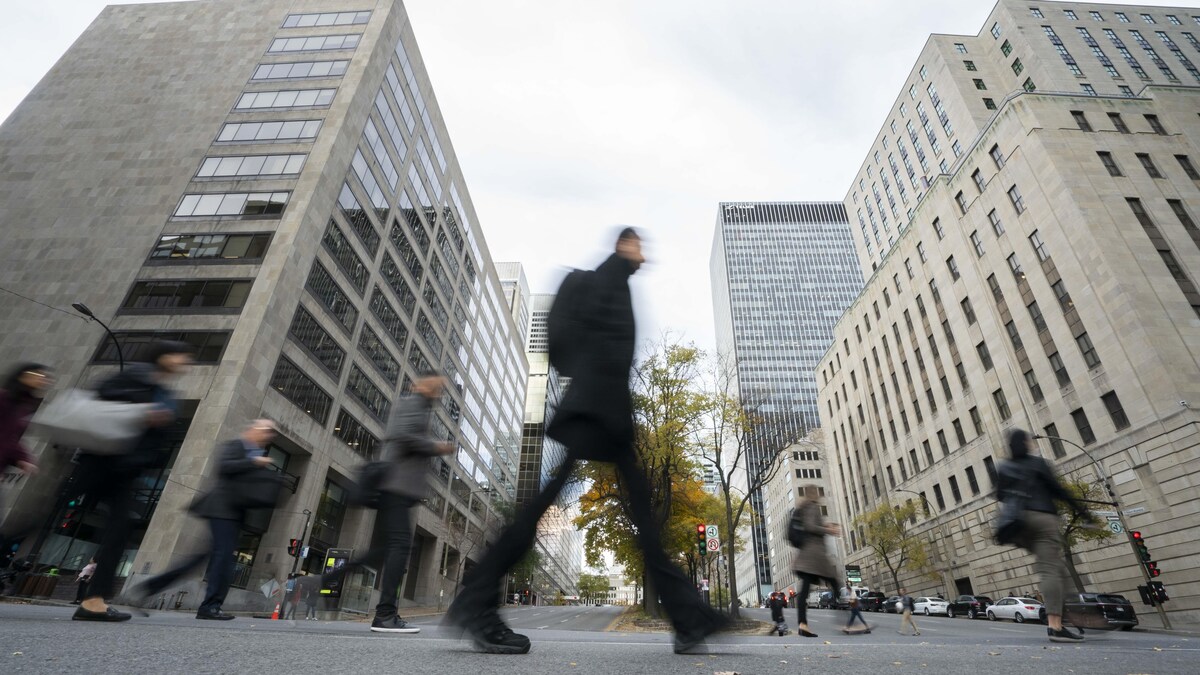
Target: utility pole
(303,537)
(1102,474)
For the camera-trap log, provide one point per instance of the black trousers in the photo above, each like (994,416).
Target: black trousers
(391,545)
(106,481)
(220,566)
(806,583)
(679,598)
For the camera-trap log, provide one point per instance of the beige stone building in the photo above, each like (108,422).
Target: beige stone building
(1036,272)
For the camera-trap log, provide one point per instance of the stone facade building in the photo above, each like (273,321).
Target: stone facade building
(271,182)
(1037,272)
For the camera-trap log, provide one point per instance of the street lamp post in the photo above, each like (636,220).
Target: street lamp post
(936,528)
(83,309)
(1116,504)
(303,537)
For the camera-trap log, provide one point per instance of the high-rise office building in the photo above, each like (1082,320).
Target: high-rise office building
(782,274)
(1039,274)
(272,183)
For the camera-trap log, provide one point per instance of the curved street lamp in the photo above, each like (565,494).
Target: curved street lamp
(83,309)
(1116,504)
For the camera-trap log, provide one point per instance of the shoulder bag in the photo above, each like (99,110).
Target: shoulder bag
(78,419)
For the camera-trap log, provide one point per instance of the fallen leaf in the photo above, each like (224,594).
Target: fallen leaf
(828,642)
(1158,649)
(18,654)
(897,663)
(835,656)
(993,653)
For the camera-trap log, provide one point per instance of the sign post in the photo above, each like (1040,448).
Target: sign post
(714,540)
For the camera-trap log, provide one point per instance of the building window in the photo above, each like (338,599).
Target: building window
(994,219)
(1096,16)
(349,431)
(1187,166)
(958,432)
(1155,125)
(1060,292)
(1035,313)
(989,104)
(291,98)
(1118,122)
(1050,431)
(347,259)
(1014,195)
(1121,17)
(1184,217)
(921,252)
(1034,387)
(1039,247)
(937,495)
(909,269)
(193,247)
(300,389)
(960,48)
(365,392)
(985,356)
(1148,165)
(326,19)
(1174,20)
(151,297)
(961,201)
(1037,13)
(953,267)
(393,325)
(968,311)
(1088,350)
(1083,426)
(209,345)
(1001,404)
(954,490)
(323,287)
(1088,90)
(314,43)
(1081,120)
(317,341)
(977,243)
(997,156)
(977,177)
(1126,91)
(1113,405)
(937,227)
(1147,18)
(941,436)
(1015,266)
(1060,370)
(928,456)
(289,71)
(232,204)
(298,130)
(1109,163)
(994,285)
(1139,212)
(970,66)
(1070,14)
(1011,328)
(1017,67)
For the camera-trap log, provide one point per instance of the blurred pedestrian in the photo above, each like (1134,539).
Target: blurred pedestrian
(109,479)
(82,581)
(811,562)
(1030,480)
(851,599)
(21,392)
(408,447)
(291,597)
(777,603)
(224,506)
(907,608)
(594,422)
(310,592)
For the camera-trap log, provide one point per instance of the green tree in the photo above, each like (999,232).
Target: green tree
(592,588)
(885,529)
(1078,530)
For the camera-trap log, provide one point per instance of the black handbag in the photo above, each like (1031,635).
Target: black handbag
(258,488)
(796,533)
(368,487)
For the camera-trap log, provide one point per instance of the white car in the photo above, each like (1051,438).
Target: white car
(929,606)
(1017,609)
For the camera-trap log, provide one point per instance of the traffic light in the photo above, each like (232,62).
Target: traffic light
(70,517)
(1152,569)
(1140,544)
(294,547)
(702,538)
(1159,591)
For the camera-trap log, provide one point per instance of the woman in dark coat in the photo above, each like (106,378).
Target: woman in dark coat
(811,562)
(20,395)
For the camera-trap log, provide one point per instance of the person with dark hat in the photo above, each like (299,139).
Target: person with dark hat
(109,479)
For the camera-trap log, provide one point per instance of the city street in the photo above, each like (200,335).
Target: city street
(36,639)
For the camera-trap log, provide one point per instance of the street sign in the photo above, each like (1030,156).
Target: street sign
(1114,524)
(714,545)
(714,541)
(1134,511)
(304,552)
(712,531)
(1104,514)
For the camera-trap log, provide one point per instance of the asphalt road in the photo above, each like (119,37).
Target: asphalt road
(36,639)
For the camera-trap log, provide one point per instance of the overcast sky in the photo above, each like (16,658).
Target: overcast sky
(570,117)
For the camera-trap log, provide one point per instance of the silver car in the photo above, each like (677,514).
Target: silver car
(1017,609)
(929,606)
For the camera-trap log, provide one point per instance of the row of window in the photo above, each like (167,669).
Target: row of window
(292,98)
(288,71)
(1121,16)
(232,204)
(188,247)
(209,345)
(1147,162)
(1118,123)
(240,166)
(316,43)
(196,294)
(269,131)
(326,19)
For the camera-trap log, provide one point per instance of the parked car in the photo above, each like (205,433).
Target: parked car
(827,601)
(872,601)
(1017,609)
(889,605)
(1100,610)
(927,606)
(971,606)
(814,599)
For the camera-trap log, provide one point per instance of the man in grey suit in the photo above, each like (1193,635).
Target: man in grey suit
(409,448)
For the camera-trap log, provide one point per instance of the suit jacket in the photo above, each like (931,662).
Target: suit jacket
(409,447)
(219,502)
(595,419)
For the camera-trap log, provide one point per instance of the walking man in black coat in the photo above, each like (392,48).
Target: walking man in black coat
(223,507)
(594,422)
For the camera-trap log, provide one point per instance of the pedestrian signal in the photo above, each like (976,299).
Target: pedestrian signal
(294,547)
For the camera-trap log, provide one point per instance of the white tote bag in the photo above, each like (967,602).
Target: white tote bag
(78,419)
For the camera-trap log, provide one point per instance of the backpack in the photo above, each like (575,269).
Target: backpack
(796,533)
(565,323)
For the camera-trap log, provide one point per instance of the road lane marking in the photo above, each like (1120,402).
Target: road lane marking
(541,627)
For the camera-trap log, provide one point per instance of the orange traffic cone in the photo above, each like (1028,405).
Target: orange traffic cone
(275,614)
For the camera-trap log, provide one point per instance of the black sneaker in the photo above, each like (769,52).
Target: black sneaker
(215,616)
(687,640)
(1063,635)
(498,638)
(109,614)
(393,624)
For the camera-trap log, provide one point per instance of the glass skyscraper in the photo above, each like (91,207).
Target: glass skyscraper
(782,275)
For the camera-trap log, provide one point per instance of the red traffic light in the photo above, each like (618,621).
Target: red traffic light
(1152,569)
(701,529)
(1137,536)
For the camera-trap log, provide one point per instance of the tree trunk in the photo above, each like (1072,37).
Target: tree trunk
(727,541)
(1070,559)
(650,597)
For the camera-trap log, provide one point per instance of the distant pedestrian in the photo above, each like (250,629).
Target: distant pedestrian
(595,423)
(21,393)
(82,581)
(811,561)
(777,603)
(851,599)
(109,479)
(224,508)
(409,448)
(291,597)
(1028,478)
(310,592)
(907,608)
